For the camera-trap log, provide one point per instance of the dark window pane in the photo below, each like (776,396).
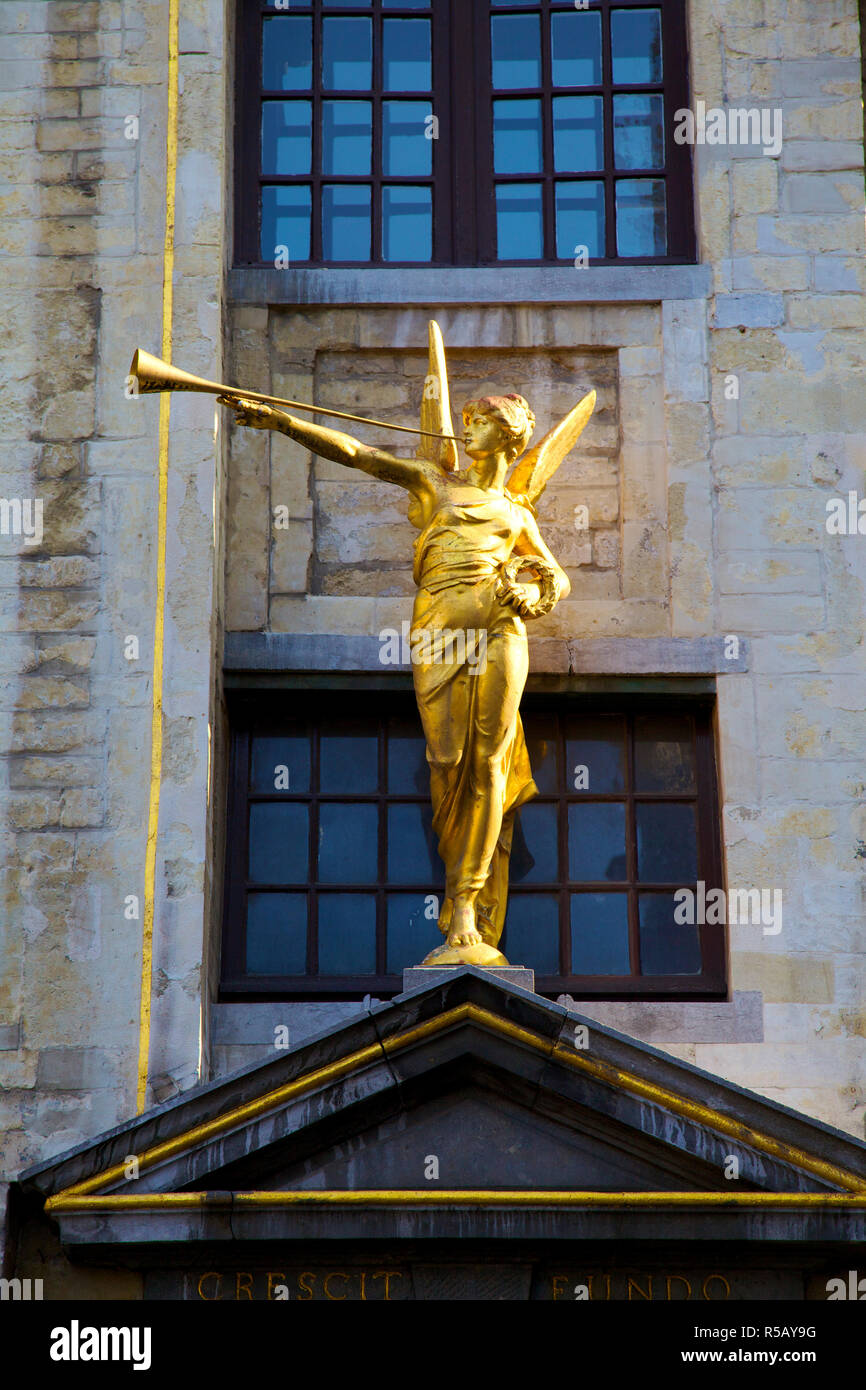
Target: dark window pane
(347,934)
(579,218)
(348,761)
(664,755)
(638,134)
(287,53)
(542,744)
(596,842)
(599,934)
(535,851)
(595,751)
(578,134)
(519,222)
(287,137)
(280,764)
(412,929)
(667,846)
(348,844)
(345,222)
(408,769)
(279,842)
(346,4)
(666,948)
(286,221)
(347,55)
(412,853)
(636,45)
(641,220)
(347,137)
(516,42)
(576,49)
(517,136)
(277,934)
(407,223)
(532,932)
(406,55)
(406,150)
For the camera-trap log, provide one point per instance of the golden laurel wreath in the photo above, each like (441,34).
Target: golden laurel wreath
(542,572)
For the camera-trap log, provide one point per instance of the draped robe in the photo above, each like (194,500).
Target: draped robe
(479,766)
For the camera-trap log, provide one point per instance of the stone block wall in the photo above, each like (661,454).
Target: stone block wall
(785,237)
(317,548)
(82,191)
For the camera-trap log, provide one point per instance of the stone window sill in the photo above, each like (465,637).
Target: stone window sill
(649,284)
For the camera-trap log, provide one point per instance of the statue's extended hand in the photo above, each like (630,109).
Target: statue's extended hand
(252,413)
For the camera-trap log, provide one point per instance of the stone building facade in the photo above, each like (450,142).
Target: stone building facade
(731,411)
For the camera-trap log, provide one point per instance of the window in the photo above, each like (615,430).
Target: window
(461,132)
(334,881)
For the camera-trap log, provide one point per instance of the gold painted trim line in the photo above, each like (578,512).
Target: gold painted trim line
(459,1197)
(159,615)
(601,1071)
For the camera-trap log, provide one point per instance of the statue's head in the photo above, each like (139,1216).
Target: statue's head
(497,422)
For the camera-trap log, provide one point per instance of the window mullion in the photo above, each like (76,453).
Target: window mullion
(313,898)
(377,231)
(443,162)
(607,136)
(382,853)
(631,853)
(471,109)
(316,240)
(562,822)
(546,102)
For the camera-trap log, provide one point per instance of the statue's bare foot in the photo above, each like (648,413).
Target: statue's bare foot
(466,938)
(463,931)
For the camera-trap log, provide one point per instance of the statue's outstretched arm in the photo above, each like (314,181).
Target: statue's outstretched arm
(333,444)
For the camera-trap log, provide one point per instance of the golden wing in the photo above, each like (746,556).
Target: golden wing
(436,407)
(533,472)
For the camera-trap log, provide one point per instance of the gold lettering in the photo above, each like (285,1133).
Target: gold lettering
(364,1285)
(247,1287)
(669,1278)
(308,1290)
(632,1284)
(557,1280)
(279,1278)
(387,1275)
(211,1274)
(328,1294)
(722,1280)
(607,1284)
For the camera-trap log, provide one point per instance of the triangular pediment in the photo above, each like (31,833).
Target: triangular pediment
(468,1091)
(475,1134)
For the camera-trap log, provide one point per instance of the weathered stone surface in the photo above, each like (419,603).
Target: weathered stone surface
(707,518)
(85,215)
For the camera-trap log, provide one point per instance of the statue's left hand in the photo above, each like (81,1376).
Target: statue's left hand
(252,413)
(531,598)
(524,597)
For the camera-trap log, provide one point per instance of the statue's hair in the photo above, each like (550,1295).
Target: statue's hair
(512,412)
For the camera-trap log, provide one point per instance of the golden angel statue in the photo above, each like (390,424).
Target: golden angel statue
(481,566)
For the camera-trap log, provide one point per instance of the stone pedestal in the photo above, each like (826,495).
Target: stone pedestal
(419,975)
